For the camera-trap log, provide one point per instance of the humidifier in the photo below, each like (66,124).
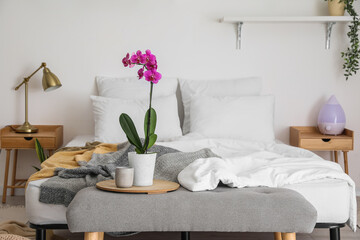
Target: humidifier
(331,120)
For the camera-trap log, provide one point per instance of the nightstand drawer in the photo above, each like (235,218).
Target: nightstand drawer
(326,144)
(27,142)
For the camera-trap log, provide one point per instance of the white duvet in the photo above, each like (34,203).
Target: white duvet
(252,164)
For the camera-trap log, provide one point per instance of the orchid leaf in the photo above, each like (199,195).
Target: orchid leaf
(36,168)
(152,122)
(40,151)
(135,146)
(152,140)
(129,128)
(139,151)
(149,126)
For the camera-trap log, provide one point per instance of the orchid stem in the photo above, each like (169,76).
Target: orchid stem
(148,122)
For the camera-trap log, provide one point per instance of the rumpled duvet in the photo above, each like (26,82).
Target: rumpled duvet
(253,164)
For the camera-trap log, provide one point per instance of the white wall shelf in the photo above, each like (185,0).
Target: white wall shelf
(328,20)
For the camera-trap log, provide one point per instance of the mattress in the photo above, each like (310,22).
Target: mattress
(330,197)
(42,213)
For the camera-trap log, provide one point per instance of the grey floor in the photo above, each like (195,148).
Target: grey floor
(318,234)
(13,201)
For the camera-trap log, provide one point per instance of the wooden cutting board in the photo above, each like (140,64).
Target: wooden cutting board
(158,187)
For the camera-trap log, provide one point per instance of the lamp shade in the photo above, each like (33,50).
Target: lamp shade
(50,81)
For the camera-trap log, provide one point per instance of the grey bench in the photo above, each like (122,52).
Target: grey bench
(224,210)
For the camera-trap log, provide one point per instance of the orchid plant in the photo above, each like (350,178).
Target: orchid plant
(148,69)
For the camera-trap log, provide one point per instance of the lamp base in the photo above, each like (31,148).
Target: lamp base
(26,128)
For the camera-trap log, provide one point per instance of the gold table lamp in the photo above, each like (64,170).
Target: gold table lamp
(49,82)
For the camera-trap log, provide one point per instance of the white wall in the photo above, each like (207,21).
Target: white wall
(84,38)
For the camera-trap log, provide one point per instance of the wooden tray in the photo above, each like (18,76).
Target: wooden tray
(159,186)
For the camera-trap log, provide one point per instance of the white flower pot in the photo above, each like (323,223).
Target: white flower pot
(144,165)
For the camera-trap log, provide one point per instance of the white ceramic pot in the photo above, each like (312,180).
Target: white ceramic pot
(144,165)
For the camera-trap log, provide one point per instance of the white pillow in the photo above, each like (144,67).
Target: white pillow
(216,88)
(107,112)
(250,118)
(133,88)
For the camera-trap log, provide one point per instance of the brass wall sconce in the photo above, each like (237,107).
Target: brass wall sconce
(49,82)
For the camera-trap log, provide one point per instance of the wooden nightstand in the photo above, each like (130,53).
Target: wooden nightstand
(49,136)
(310,138)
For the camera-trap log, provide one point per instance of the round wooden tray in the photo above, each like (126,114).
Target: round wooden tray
(159,186)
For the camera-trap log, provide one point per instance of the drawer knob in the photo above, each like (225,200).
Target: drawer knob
(28,138)
(326,139)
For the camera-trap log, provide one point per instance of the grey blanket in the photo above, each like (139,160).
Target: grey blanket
(62,188)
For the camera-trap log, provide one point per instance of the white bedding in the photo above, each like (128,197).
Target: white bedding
(246,163)
(331,197)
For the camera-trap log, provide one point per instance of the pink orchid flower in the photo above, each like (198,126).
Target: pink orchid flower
(141,73)
(151,66)
(152,76)
(149,57)
(148,64)
(137,58)
(126,60)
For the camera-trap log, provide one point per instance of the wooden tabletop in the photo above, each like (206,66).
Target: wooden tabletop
(159,186)
(44,131)
(49,136)
(313,132)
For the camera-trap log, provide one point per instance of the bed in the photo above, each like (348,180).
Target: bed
(332,198)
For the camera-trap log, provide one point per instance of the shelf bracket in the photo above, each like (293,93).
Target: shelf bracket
(238,40)
(328,34)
